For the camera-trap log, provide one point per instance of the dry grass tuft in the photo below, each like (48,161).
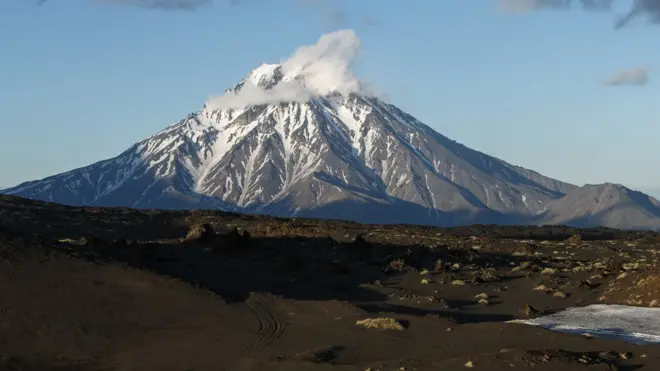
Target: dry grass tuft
(543,288)
(383,323)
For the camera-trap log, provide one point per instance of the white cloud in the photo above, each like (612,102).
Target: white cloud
(649,9)
(635,76)
(524,6)
(311,71)
(163,4)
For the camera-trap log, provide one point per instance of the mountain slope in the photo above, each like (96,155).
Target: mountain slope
(338,156)
(610,205)
(653,192)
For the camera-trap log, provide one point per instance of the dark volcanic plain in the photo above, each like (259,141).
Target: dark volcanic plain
(121,289)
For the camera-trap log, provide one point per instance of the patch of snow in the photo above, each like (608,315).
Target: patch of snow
(262,73)
(487,195)
(352,124)
(523,197)
(618,322)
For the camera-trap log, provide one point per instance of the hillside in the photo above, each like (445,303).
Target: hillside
(605,204)
(94,289)
(339,156)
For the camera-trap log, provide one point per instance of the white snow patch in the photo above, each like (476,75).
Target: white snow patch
(262,73)
(354,126)
(487,195)
(499,194)
(619,322)
(523,197)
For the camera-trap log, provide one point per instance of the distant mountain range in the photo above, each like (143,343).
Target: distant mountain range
(653,192)
(605,204)
(340,156)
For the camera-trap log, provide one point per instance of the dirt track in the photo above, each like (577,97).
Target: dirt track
(102,289)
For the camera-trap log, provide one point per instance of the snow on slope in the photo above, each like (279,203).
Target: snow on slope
(306,137)
(297,158)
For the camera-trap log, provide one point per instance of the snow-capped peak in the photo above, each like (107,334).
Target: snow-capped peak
(302,135)
(265,76)
(302,157)
(306,138)
(313,71)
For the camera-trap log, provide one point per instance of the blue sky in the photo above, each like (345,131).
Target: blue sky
(81,80)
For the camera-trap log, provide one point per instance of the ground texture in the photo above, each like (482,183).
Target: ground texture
(120,289)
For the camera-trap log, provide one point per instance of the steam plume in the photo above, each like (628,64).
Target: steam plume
(320,69)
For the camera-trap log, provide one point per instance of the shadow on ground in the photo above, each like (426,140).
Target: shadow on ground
(234,265)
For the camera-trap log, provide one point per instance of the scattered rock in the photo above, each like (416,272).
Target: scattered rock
(543,288)
(200,232)
(361,242)
(396,266)
(559,294)
(530,311)
(587,284)
(488,275)
(613,265)
(439,266)
(574,239)
(522,266)
(322,355)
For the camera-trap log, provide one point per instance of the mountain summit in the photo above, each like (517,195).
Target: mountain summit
(306,138)
(605,204)
(340,156)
